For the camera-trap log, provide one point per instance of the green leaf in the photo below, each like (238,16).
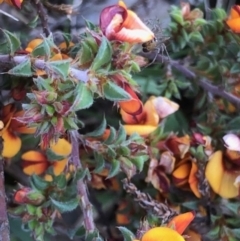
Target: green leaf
(100,130)
(111,152)
(83,97)
(82,173)
(85,54)
(139,161)
(100,162)
(43,49)
(38,183)
(124,151)
(111,137)
(196,37)
(121,135)
(115,168)
(61,67)
(113,92)
(52,156)
(235,69)
(104,54)
(22,69)
(65,206)
(31,209)
(127,234)
(12,40)
(61,181)
(33,23)
(177,17)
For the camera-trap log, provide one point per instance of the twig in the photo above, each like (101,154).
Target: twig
(4,224)
(81,185)
(7,63)
(42,15)
(203,82)
(145,201)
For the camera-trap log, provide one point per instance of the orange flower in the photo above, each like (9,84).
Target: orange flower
(10,127)
(173,230)
(36,162)
(119,23)
(146,121)
(233,21)
(184,175)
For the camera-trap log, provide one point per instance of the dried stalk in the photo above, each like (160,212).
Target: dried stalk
(145,201)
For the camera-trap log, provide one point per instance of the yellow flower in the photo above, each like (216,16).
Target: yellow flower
(221,175)
(10,129)
(147,120)
(36,162)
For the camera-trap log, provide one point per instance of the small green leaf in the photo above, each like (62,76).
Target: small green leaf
(113,92)
(139,161)
(100,130)
(82,173)
(111,137)
(52,156)
(177,17)
(127,234)
(83,97)
(12,40)
(22,69)
(124,151)
(121,135)
(38,183)
(100,162)
(61,67)
(31,209)
(104,54)
(235,69)
(61,181)
(65,206)
(196,37)
(43,49)
(33,23)
(115,168)
(111,152)
(85,54)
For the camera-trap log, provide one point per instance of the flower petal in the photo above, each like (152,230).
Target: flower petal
(181,222)
(152,117)
(234,24)
(59,166)
(232,142)
(181,174)
(221,180)
(162,234)
(193,181)
(11,144)
(34,168)
(62,147)
(34,156)
(164,106)
(140,129)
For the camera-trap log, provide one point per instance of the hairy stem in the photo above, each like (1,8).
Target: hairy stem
(42,16)
(81,185)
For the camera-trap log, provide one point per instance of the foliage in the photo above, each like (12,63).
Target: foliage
(109,146)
